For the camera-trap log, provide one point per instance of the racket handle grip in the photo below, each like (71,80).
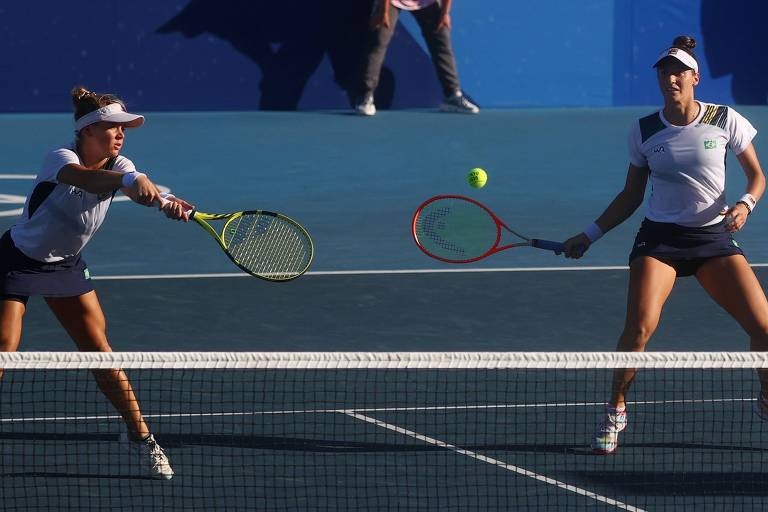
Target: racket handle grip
(548,245)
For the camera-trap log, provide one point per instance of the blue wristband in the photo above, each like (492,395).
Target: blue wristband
(593,232)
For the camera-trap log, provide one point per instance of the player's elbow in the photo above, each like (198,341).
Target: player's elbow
(631,200)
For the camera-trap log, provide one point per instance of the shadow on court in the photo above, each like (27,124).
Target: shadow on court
(506,311)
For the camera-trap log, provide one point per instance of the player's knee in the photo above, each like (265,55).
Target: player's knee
(9,341)
(635,337)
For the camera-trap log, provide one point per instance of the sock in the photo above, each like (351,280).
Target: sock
(138,439)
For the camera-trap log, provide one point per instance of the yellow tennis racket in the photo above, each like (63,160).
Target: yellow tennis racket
(264,244)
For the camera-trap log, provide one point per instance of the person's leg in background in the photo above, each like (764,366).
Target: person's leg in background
(441,51)
(376,50)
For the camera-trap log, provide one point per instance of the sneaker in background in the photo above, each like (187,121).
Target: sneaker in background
(458,103)
(366,107)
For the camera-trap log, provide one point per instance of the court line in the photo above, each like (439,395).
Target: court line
(447,408)
(139,277)
(495,462)
(350,273)
(14,199)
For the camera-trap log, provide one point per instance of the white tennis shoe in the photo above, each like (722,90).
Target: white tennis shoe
(149,455)
(607,436)
(366,106)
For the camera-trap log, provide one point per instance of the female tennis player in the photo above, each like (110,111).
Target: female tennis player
(688,225)
(40,254)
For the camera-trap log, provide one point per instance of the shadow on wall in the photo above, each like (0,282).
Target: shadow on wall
(733,37)
(289,40)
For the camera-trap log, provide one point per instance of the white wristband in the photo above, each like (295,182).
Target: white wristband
(593,232)
(130,178)
(749,201)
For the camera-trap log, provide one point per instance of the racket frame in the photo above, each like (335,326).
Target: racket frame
(201,219)
(527,242)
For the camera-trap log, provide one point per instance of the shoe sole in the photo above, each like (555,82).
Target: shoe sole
(604,451)
(600,451)
(456,110)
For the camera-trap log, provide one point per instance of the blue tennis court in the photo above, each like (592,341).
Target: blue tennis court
(355,183)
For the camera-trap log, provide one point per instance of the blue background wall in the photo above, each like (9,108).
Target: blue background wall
(262,54)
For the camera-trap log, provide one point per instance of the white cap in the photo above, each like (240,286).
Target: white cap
(112,113)
(681,55)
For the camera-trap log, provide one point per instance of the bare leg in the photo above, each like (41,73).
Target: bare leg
(11,315)
(650,283)
(84,321)
(730,281)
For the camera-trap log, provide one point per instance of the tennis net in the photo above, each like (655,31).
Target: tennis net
(384,431)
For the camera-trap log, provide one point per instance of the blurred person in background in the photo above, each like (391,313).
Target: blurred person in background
(434,18)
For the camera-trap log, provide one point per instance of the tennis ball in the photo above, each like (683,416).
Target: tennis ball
(477,178)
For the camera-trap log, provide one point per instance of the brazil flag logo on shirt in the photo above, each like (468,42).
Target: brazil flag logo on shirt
(710,144)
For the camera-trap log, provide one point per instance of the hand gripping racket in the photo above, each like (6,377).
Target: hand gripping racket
(456,229)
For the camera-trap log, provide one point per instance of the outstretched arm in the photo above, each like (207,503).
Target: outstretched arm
(100,181)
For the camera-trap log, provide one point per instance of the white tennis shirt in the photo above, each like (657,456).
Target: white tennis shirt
(59,219)
(687,163)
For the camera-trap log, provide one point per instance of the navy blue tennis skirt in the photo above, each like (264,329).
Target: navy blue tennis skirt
(21,276)
(682,247)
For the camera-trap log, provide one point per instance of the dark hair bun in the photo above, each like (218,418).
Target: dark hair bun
(79,92)
(686,43)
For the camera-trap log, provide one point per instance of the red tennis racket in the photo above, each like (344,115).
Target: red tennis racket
(457,229)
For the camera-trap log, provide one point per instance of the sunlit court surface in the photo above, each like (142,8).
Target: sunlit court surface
(308,431)
(393,367)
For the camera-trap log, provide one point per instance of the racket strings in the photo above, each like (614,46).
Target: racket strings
(455,229)
(274,251)
(432,224)
(268,246)
(273,248)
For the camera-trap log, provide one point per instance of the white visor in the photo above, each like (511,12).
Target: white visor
(112,113)
(681,55)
